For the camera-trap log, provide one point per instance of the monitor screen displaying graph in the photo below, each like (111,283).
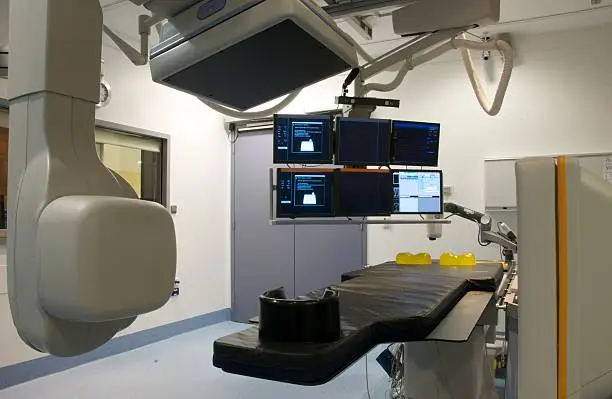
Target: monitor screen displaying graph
(302,139)
(305,193)
(415,143)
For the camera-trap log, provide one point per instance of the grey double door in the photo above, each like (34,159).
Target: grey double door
(299,258)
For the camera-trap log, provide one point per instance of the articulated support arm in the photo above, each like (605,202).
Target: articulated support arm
(411,54)
(429,46)
(496,238)
(506,240)
(145,23)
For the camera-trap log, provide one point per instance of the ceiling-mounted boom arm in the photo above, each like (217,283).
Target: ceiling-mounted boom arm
(138,57)
(429,46)
(192,20)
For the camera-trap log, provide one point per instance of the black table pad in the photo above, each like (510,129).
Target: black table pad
(381,304)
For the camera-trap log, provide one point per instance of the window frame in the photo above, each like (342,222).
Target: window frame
(165,151)
(131,130)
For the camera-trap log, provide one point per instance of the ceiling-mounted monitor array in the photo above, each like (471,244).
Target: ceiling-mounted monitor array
(310,192)
(309,139)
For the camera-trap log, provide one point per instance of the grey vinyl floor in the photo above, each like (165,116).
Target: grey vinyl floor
(181,367)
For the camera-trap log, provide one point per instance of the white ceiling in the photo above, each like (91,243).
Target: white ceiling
(518,17)
(521,17)
(122,17)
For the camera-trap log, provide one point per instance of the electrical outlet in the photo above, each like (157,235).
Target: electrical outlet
(177,289)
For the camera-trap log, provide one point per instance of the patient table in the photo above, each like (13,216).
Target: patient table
(380,304)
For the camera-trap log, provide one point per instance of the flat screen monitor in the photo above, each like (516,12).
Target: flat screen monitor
(302,139)
(363,141)
(364,192)
(415,143)
(304,193)
(417,192)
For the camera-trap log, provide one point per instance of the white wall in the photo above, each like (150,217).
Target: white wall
(199,178)
(558,102)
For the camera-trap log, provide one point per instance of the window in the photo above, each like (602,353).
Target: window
(138,159)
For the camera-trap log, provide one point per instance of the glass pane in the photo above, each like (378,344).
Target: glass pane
(122,139)
(99,150)
(151,181)
(141,169)
(127,162)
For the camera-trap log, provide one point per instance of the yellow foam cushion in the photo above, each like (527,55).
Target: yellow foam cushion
(450,259)
(407,258)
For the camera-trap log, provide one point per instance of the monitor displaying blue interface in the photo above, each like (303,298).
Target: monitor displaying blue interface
(304,139)
(304,193)
(417,192)
(363,141)
(364,192)
(415,143)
